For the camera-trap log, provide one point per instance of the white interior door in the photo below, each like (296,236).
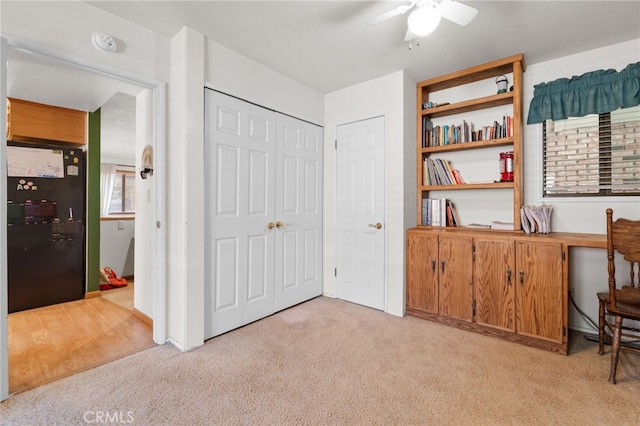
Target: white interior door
(360,212)
(298,236)
(239,167)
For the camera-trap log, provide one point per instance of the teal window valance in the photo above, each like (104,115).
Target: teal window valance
(594,92)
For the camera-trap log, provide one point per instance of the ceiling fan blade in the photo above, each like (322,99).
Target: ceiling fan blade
(457,12)
(390,14)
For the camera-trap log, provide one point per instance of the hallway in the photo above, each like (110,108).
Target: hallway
(52,342)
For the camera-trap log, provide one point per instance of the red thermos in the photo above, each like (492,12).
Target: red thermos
(506,166)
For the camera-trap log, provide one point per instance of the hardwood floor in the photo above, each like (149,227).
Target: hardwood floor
(49,343)
(122,296)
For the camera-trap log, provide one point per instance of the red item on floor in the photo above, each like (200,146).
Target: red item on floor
(114,280)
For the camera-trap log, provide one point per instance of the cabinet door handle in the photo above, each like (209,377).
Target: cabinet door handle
(281,225)
(521,277)
(508,276)
(433,266)
(442,266)
(270,225)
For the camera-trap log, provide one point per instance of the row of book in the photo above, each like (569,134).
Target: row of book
(439,212)
(536,219)
(438,171)
(465,132)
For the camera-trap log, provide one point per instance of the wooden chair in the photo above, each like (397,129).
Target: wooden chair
(621,301)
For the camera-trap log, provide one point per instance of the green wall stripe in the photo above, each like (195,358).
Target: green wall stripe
(93,203)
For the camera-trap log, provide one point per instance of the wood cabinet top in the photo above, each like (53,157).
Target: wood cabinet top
(570,239)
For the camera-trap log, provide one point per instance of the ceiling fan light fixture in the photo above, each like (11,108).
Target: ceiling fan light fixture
(424,20)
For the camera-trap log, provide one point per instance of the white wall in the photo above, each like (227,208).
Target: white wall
(239,76)
(410,156)
(117,246)
(383,96)
(588,273)
(145,230)
(185,186)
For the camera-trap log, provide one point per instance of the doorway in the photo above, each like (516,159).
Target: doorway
(119,185)
(155,100)
(360,212)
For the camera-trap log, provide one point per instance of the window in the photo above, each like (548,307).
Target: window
(594,155)
(123,195)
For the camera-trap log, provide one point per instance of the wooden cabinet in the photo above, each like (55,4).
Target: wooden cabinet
(494,271)
(439,275)
(39,123)
(422,272)
(509,285)
(463,109)
(540,290)
(455,277)
(519,287)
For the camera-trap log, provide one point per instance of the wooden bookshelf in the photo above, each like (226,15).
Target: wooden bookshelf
(513,65)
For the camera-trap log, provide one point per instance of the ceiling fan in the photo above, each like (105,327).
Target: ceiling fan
(426,15)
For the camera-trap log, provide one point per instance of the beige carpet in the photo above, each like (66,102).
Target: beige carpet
(332,362)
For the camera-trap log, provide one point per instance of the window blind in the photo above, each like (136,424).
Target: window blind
(598,154)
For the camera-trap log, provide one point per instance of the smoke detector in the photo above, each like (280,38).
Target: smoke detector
(104,42)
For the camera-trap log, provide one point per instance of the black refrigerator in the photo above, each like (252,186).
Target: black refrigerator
(45,225)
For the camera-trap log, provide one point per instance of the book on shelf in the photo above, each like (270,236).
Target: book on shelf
(536,219)
(438,212)
(458,176)
(452,214)
(427,128)
(439,171)
(450,134)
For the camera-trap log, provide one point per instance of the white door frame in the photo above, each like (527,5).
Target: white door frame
(158,90)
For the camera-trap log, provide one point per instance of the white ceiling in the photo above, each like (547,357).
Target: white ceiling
(326,45)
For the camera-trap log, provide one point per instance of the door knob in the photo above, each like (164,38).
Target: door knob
(375,225)
(281,225)
(270,225)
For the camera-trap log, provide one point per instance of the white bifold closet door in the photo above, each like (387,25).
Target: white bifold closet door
(263,232)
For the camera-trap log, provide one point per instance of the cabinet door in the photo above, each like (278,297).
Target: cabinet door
(494,278)
(456,277)
(539,306)
(422,272)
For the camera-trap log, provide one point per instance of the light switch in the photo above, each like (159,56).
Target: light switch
(120,225)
